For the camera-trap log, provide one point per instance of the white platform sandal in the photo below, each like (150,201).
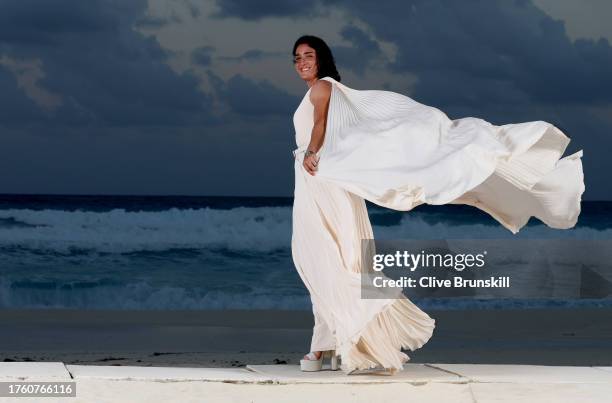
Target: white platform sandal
(311,364)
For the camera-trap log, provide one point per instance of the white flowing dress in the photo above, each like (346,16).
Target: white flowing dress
(389,149)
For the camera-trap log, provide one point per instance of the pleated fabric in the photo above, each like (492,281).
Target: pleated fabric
(329,225)
(389,149)
(399,153)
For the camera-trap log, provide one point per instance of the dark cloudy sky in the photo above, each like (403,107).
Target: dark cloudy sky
(196,97)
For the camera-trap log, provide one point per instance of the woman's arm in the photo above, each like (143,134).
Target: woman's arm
(319,96)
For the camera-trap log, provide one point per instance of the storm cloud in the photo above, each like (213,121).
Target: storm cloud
(220,99)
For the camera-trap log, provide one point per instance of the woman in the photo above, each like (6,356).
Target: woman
(393,151)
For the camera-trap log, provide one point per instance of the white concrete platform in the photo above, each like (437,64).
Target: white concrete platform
(541,392)
(52,371)
(432,382)
(156,374)
(486,373)
(416,374)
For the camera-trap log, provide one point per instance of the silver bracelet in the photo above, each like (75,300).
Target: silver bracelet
(308,152)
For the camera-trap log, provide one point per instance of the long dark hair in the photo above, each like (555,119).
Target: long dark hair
(326,66)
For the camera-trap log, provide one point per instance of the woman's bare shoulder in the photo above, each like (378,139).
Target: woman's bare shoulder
(320,91)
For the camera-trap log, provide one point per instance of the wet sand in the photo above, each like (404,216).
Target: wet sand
(234,338)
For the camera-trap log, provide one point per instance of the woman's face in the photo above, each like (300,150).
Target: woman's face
(305,62)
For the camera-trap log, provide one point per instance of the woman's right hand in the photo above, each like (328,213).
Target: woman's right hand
(311,160)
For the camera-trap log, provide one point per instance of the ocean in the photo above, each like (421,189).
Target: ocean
(188,252)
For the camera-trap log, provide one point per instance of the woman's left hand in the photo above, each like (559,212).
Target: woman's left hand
(311,160)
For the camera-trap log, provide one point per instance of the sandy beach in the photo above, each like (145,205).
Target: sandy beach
(235,338)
